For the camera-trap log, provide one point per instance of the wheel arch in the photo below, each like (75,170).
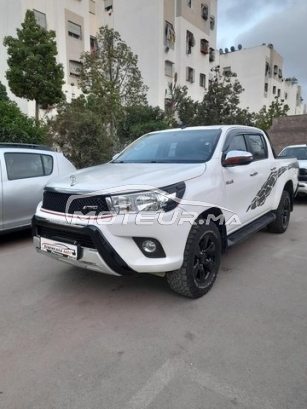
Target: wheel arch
(218,218)
(289,188)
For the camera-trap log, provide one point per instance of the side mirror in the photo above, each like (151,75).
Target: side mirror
(235,158)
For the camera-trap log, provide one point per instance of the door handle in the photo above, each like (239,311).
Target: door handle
(253,173)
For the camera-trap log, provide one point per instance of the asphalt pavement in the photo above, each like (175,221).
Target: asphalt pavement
(74,339)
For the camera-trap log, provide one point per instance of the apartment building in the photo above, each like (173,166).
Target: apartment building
(169,36)
(260,72)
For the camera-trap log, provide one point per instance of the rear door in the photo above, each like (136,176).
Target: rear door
(264,174)
(24,177)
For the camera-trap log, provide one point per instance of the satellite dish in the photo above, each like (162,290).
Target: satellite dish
(226,50)
(240,47)
(232,49)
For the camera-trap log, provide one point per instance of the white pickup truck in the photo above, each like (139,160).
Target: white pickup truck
(169,205)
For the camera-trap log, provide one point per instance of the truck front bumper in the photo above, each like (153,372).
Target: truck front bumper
(116,251)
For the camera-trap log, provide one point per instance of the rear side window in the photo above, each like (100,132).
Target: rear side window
(27,165)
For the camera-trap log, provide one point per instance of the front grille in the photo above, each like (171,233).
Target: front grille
(57,202)
(66,236)
(302,172)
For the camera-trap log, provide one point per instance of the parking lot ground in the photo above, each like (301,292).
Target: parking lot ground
(74,339)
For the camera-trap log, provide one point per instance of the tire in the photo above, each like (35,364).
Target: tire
(201,262)
(281,223)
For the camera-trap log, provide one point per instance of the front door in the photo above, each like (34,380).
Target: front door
(245,182)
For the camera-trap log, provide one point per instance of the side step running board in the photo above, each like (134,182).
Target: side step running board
(250,229)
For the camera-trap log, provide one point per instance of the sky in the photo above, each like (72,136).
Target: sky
(282,23)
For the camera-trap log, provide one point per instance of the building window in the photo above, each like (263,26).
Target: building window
(93,45)
(278,92)
(267,69)
(211,54)
(189,3)
(212,23)
(226,71)
(74,30)
(40,18)
(108,5)
(286,95)
(74,68)
(92,6)
(274,90)
(279,73)
(168,68)
(190,42)
(169,35)
(275,69)
(266,87)
(204,11)
(190,74)
(204,46)
(202,80)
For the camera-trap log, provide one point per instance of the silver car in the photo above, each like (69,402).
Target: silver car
(24,171)
(300,153)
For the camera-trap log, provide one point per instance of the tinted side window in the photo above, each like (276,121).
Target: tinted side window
(27,165)
(257,146)
(235,143)
(47,164)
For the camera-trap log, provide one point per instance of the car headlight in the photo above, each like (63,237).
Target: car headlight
(160,200)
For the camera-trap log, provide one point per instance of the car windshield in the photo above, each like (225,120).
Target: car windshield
(299,152)
(177,146)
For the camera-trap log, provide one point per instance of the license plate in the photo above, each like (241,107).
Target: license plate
(63,249)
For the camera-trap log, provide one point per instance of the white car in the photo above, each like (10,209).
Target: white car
(300,153)
(168,205)
(24,171)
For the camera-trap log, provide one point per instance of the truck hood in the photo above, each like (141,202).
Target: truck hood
(111,176)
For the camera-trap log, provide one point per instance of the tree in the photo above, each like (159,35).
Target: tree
(179,106)
(80,133)
(3,93)
(33,72)
(111,75)
(18,127)
(264,118)
(221,103)
(138,120)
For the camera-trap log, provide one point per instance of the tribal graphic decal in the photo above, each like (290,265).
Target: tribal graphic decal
(267,187)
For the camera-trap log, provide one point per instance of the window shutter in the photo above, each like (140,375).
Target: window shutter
(40,18)
(74,28)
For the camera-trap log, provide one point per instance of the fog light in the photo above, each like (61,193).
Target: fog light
(149,246)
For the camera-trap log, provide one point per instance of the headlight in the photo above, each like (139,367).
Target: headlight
(160,200)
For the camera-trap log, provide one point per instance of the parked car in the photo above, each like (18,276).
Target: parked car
(169,205)
(24,171)
(300,153)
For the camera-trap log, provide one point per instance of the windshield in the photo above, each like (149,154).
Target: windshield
(178,146)
(299,152)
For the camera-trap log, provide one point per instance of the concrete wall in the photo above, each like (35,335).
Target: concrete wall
(288,130)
